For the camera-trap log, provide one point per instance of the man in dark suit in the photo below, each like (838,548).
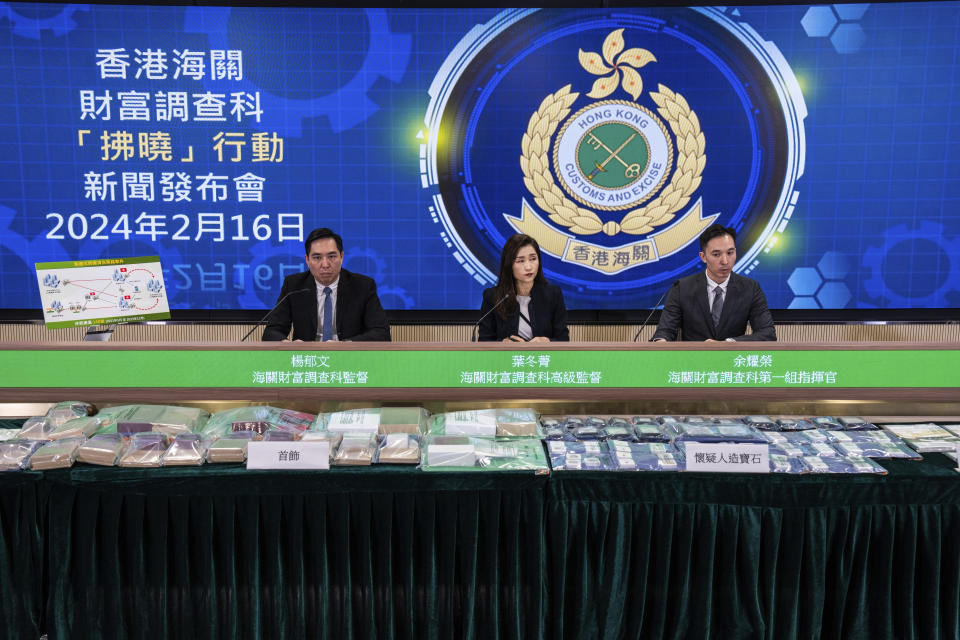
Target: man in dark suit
(716,304)
(327,302)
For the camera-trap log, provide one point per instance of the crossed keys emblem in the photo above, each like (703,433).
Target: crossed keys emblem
(630,169)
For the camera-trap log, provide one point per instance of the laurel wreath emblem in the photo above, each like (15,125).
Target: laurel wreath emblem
(691,160)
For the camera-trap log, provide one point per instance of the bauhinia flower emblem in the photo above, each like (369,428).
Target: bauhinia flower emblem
(626,63)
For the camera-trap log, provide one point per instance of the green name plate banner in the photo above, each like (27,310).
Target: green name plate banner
(480,369)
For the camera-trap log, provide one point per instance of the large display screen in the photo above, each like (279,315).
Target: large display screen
(217,138)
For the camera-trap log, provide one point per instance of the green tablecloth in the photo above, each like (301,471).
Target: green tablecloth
(219,552)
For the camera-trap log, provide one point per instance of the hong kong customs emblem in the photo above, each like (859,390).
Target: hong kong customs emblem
(613,155)
(614,138)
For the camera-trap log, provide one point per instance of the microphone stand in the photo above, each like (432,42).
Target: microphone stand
(476,326)
(643,325)
(261,321)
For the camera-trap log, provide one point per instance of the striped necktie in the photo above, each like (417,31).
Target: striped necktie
(717,307)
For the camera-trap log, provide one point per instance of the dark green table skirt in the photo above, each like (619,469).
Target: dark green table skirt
(734,556)
(219,552)
(22,568)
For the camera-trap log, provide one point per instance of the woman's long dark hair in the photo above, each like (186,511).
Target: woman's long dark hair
(506,286)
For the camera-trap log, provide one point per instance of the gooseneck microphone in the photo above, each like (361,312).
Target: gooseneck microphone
(654,308)
(264,318)
(476,326)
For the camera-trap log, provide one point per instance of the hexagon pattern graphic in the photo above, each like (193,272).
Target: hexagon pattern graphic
(819,22)
(804,281)
(848,38)
(834,295)
(821,287)
(838,22)
(833,265)
(850,12)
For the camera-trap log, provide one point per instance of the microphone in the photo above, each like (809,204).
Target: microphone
(650,315)
(476,326)
(279,302)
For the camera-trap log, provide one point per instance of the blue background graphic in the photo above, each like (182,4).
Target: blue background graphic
(876,222)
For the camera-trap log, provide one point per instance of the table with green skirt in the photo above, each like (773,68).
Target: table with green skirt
(22,548)
(702,555)
(388,552)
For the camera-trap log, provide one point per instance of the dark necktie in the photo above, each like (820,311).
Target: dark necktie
(327,331)
(717,305)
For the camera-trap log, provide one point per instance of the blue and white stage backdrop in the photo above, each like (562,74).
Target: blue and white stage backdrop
(217,138)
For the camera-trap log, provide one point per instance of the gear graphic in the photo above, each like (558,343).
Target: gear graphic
(365,261)
(396,295)
(346,107)
(28,250)
(40,249)
(874,258)
(262,252)
(31,28)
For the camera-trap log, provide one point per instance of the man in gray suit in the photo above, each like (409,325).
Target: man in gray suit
(716,304)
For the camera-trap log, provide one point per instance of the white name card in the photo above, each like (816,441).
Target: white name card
(728,457)
(313,454)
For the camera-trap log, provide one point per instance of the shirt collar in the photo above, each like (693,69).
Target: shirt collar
(711,285)
(333,286)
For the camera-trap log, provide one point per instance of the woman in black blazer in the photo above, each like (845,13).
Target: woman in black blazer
(527,307)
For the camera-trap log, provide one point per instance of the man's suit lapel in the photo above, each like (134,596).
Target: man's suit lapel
(312,305)
(734,295)
(343,293)
(700,294)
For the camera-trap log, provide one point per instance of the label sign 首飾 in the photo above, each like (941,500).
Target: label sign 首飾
(314,454)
